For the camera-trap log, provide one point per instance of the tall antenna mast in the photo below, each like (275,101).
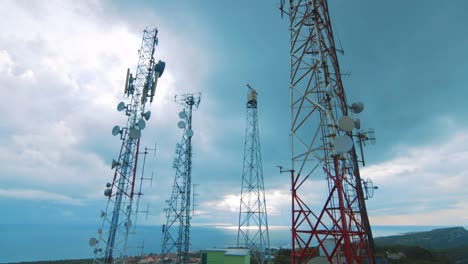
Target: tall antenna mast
(253,222)
(322,140)
(176,231)
(111,244)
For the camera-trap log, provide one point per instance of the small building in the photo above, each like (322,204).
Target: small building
(225,256)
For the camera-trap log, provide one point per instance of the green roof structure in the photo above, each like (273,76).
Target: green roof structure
(225,256)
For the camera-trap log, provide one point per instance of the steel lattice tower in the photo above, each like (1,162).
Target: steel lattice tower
(253,221)
(323,146)
(111,244)
(176,231)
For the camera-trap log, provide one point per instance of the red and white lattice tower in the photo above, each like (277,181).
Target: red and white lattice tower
(335,225)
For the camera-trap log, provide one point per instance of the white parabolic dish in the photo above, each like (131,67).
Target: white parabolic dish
(121,106)
(115,130)
(181,124)
(343,144)
(346,123)
(92,241)
(189,132)
(141,124)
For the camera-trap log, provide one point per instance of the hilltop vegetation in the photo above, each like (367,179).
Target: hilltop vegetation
(446,245)
(443,238)
(412,255)
(69,261)
(439,246)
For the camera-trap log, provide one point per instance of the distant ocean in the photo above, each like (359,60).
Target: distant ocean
(55,242)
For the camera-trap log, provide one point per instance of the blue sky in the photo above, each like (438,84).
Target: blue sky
(62,69)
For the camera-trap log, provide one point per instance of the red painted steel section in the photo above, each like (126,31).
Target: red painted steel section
(340,231)
(135,168)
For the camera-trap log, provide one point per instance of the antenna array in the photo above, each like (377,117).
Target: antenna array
(176,231)
(322,140)
(117,218)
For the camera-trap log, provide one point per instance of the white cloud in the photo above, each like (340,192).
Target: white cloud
(39,196)
(422,185)
(6,64)
(279,202)
(217,212)
(455,215)
(50,158)
(62,80)
(226,209)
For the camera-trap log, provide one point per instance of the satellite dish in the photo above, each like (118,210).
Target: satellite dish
(357,107)
(343,144)
(357,123)
(189,132)
(102,215)
(93,241)
(108,192)
(369,188)
(115,130)
(134,133)
(182,114)
(147,115)
(121,106)
(141,124)
(181,124)
(114,164)
(108,185)
(346,123)
(99,231)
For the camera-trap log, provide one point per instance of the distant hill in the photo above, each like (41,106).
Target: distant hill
(437,239)
(445,245)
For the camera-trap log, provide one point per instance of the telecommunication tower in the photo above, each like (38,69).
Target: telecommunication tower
(117,218)
(176,231)
(253,222)
(323,129)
